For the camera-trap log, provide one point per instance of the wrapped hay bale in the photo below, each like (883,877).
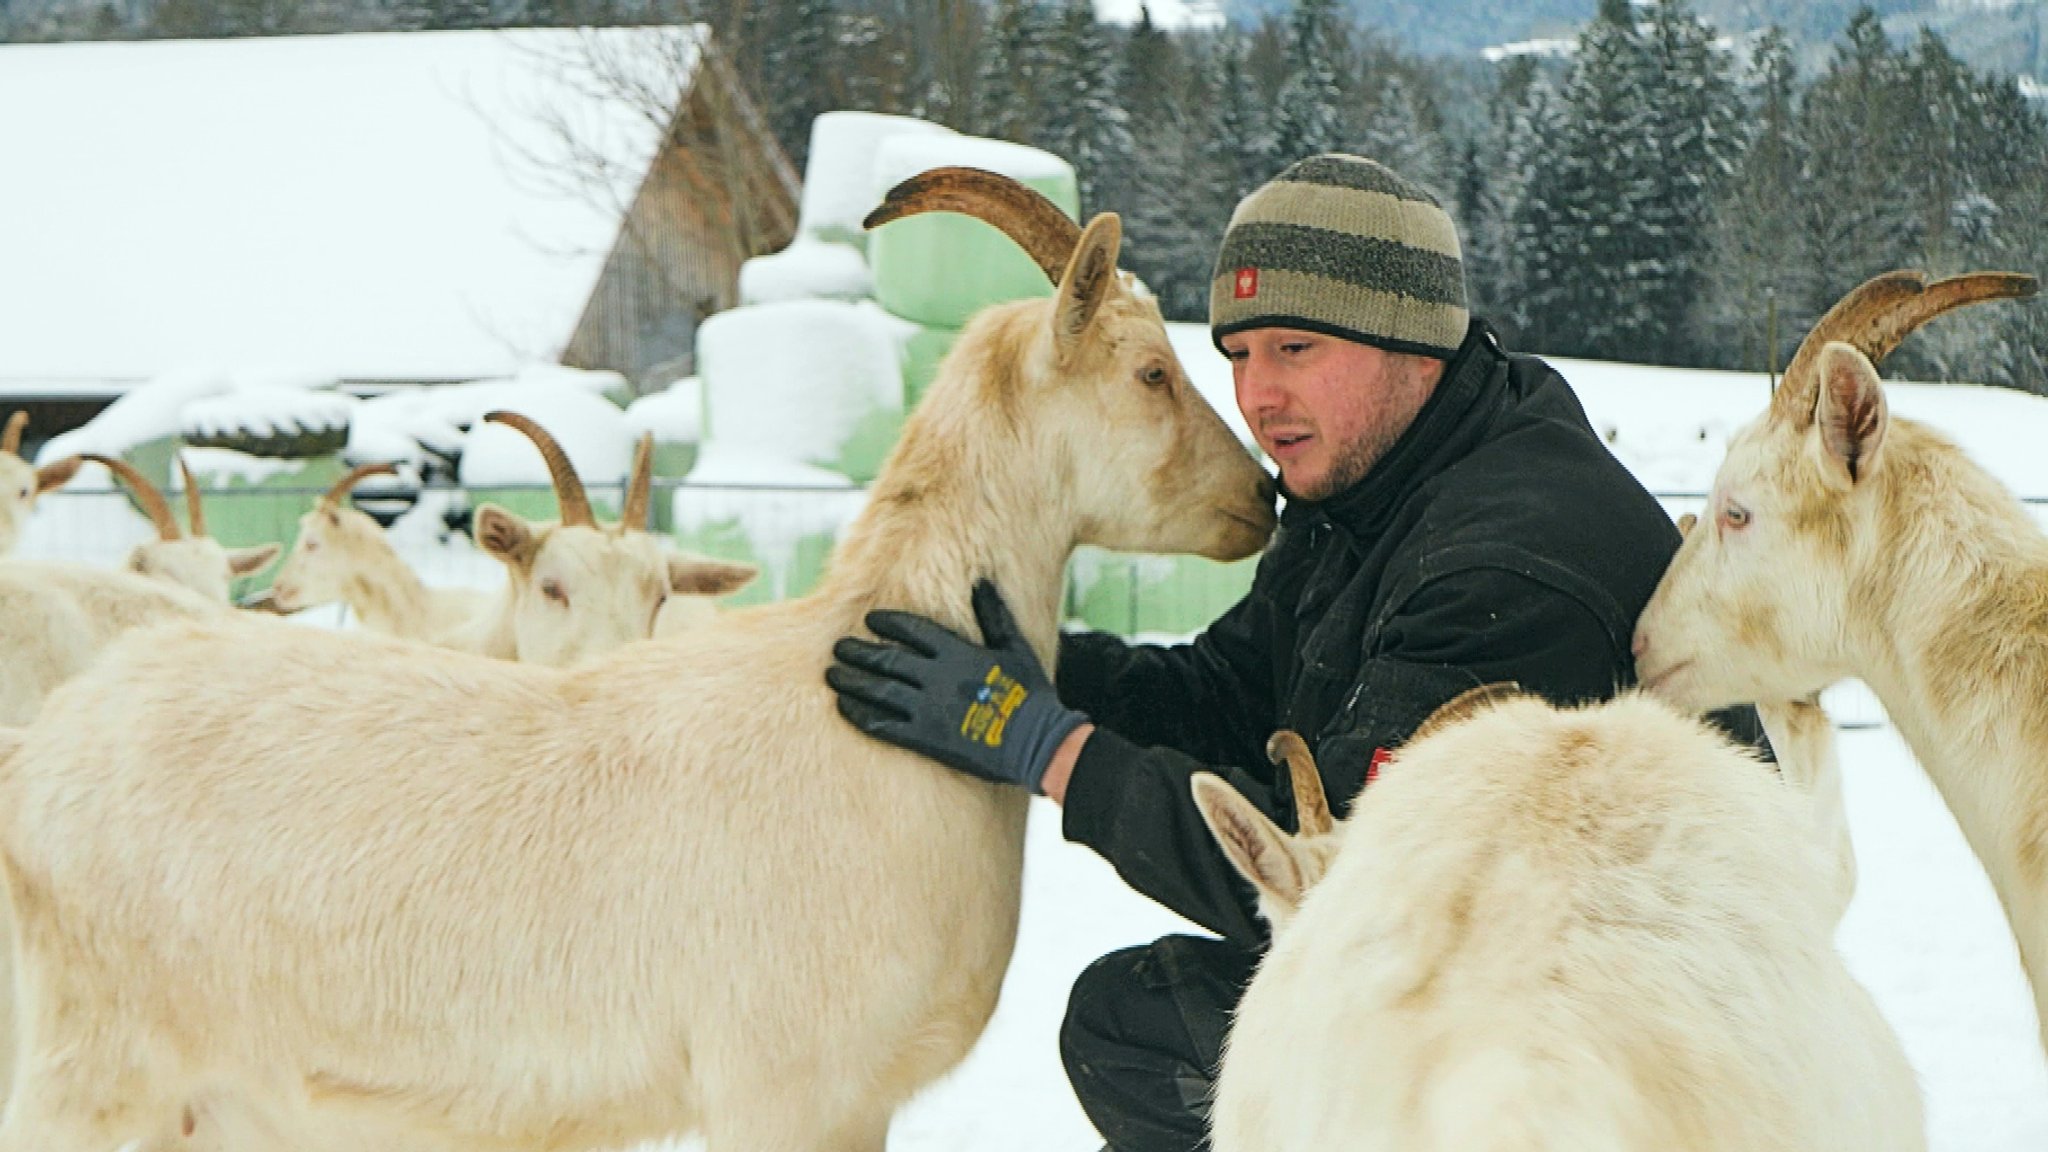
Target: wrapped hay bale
(940,268)
(809,382)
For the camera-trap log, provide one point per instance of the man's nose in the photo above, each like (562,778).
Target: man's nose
(1255,387)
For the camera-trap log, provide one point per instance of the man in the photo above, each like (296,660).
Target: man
(1452,520)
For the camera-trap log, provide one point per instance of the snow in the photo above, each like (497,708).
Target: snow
(1671,425)
(156,409)
(839,188)
(792,381)
(591,430)
(808,269)
(1554,47)
(1164,13)
(1210,373)
(225,467)
(266,411)
(361,206)
(675,415)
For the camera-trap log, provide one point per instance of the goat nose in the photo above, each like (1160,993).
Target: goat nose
(1639,645)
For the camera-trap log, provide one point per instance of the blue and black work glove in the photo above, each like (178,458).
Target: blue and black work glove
(986,711)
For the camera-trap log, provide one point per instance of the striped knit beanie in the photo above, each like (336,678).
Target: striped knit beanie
(1341,245)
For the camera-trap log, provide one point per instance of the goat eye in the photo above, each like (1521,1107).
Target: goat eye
(552,589)
(1154,377)
(1734,515)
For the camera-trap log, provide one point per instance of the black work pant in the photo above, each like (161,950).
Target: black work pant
(1143,1039)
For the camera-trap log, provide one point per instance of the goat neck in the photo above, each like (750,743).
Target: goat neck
(955,505)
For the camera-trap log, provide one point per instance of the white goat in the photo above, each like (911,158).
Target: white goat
(573,589)
(1840,542)
(1596,930)
(670,889)
(55,620)
(195,561)
(21,482)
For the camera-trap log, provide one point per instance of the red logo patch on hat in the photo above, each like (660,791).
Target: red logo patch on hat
(1247,283)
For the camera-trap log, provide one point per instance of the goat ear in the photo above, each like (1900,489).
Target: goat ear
(249,561)
(1685,525)
(1851,412)
(1271,859)
(51,477)
(505,536)
(689,574)
(1091,275)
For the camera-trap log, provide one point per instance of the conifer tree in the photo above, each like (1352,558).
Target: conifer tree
(796,65)
(1084,122)
(1575,231)
(1006,83)
(1307,113)
(1756,258)
(1398,133)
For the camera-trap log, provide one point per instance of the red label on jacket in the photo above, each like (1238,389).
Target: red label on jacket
(1372,768)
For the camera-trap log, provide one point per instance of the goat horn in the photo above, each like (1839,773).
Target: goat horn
(569,494)
(634,515)
(10,440)
(1880,313)
(333,496)
(1311,806)
(1019,211)
(195,509)
(147,494)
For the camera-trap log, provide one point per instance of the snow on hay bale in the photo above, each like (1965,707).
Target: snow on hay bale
(839,177)
(809,269)
(813,381)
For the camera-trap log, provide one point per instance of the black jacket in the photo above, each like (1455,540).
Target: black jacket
(1497,540)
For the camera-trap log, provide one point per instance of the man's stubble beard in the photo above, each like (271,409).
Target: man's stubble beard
(1358,460)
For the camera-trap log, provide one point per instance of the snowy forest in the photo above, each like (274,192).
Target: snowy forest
(1652,190)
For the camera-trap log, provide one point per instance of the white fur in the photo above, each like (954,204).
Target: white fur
(571,591)
(1603,930)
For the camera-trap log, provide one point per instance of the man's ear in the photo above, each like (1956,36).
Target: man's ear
(505,536)
(1272,860)
(696,574)
(249,561)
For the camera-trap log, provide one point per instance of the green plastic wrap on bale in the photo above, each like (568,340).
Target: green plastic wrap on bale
(727,540)
(921,356)
(1158,595)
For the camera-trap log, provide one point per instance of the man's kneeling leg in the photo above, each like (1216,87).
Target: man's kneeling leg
(1144,1035)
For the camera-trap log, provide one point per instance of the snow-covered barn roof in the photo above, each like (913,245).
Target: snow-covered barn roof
(389,206)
